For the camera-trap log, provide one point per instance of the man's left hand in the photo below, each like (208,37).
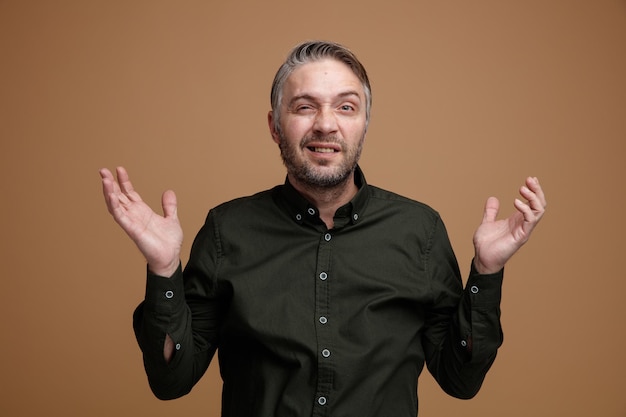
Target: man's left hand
(495,241)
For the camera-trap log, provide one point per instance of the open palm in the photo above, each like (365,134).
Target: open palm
(159,238)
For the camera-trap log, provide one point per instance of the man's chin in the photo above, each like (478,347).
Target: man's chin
(326,177)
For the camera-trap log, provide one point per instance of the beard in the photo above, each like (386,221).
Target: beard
(314,174)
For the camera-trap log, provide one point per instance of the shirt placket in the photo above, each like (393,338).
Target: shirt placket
(323,277)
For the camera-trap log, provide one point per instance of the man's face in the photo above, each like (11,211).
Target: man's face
(322,123)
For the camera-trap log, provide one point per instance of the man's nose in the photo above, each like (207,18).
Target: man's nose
(325,121)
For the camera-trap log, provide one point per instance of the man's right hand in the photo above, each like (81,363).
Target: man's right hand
(159,238)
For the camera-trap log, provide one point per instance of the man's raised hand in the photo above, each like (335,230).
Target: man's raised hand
(495,241)
(159,238)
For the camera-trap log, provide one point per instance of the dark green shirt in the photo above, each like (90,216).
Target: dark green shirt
(315,322)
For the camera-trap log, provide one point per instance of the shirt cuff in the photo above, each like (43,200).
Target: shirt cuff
(485,290)
(164,295)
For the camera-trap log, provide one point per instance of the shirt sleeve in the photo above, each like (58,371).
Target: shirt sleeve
(463,330)
(187,307)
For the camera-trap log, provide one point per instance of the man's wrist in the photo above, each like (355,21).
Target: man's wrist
(164,271)
(482,269)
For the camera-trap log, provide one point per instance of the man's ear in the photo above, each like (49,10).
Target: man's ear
(270,123)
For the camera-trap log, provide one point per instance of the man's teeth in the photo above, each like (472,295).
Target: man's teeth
(323,150)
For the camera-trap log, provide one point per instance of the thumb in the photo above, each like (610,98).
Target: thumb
(492,206)
(169,204)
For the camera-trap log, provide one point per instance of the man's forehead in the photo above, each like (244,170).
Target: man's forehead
(323,75)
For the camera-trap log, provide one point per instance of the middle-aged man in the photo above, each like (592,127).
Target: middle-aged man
(323,296)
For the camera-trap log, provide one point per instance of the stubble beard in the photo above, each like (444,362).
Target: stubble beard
(312,174)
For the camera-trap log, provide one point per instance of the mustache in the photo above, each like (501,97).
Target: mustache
(321,140)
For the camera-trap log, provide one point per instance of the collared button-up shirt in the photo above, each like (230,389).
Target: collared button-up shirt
(315,322)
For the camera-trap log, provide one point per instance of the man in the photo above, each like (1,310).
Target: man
(323,296)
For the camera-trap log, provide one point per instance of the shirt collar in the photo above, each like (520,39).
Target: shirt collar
(301,210)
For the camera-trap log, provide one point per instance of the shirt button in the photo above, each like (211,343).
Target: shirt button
(355,217)
(177,346)
(327,237)
(474,289)
(298,217)
(464,343)
(321,400)
(323,320)
(323,276)
(169,294)
(326,353)
(311,211)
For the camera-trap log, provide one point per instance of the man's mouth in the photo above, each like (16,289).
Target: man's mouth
(322,150)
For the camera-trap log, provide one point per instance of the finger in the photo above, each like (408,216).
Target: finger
(105,173)
(535,198)
(169,204)
(123,180)
(533,184)
(113,196)
(530,218)
(110,190)
(125,185)
(525,210)
(492,206)
(107,182)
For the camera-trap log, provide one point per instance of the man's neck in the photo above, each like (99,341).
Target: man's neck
(327,199)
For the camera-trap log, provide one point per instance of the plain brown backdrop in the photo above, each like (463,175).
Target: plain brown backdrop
(470,97)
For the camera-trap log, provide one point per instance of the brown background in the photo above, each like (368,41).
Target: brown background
(469,98)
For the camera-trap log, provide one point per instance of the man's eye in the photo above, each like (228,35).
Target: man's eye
(347,107)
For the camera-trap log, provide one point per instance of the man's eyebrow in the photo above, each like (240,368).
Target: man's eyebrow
(310,97)
(350,93)
(301,97)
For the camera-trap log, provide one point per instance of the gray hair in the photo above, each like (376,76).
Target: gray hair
(312,51)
